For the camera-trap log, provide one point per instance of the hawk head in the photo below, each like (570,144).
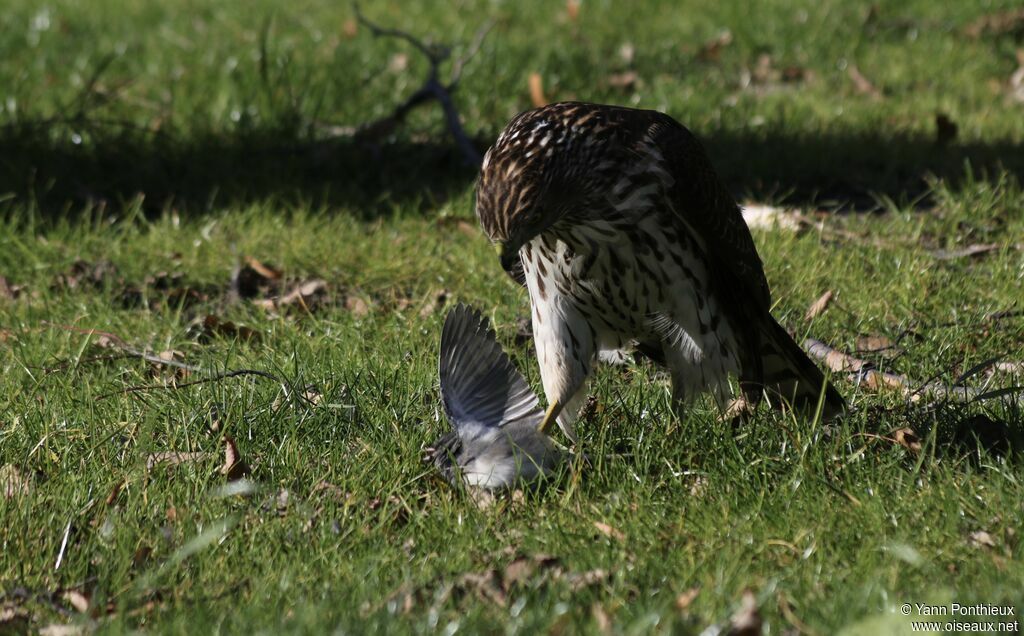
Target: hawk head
(543,168)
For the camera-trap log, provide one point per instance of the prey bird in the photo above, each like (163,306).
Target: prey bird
(626,239)
(496,441)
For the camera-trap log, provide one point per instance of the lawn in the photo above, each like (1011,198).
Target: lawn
(181,195)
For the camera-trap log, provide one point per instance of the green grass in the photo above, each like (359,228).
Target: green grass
(197,143)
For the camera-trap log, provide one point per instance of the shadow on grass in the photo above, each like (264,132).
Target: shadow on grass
(960,430)
(43,163)
(196,174)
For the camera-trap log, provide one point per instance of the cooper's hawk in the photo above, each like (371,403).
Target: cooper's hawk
(626,238)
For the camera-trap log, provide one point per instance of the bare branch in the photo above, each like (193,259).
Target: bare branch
(435,54)
(864,373)
(120,344)
(432,88)
(459,63)
(234,373)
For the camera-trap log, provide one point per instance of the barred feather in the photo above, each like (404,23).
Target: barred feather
(625,235)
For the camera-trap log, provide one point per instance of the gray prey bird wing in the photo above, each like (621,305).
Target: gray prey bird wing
(496,441)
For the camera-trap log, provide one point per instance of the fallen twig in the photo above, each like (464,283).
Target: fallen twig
(49,599)
(864,373)
(234,373)
(863,84)
(432,89)
(113,340)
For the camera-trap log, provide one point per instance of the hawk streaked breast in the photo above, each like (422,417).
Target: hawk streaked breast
(626,238)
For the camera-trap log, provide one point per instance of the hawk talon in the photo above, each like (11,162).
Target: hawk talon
(550,417)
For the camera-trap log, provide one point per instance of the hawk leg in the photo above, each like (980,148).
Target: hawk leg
(565,350)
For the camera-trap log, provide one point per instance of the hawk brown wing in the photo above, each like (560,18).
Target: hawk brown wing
(706,207)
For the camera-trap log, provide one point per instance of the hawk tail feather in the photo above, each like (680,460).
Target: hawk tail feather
(790,378)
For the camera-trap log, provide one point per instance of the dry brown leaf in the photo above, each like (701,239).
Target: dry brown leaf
(303,294)
(765,74)
(234,467)
(141,556)
(486,586)
(435,303)
(580,580)
(281,502)
(212,326)
(945,129)
(684,600)
(861,83)
(7,290)
(522,568)
(468,229)
(312,394)
(107,341)
(398,62)
(699,486)
(737,407)
(609,531)
(266,271)
(572,9)
(1001,23)
(83,273)
(787,612)
(519,570)
(601,619)
(13,483)
(402,600)
(797,74)
(253,278)
(627,52)
(819,306)
(115,492)
(536,85)
(58,629)
(171,355)
(982,539)
(325,488)
(747,619)
(1017,78)
(626,80)
(77,600)
(350,28)
(711,50)
(907,438)
(170,459)
(590,409)
(14,619)
(357,306)
(763,71)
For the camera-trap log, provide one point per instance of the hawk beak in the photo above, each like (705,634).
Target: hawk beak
(550,417)
(506,256)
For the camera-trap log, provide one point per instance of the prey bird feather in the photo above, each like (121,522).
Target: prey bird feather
(496,440)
